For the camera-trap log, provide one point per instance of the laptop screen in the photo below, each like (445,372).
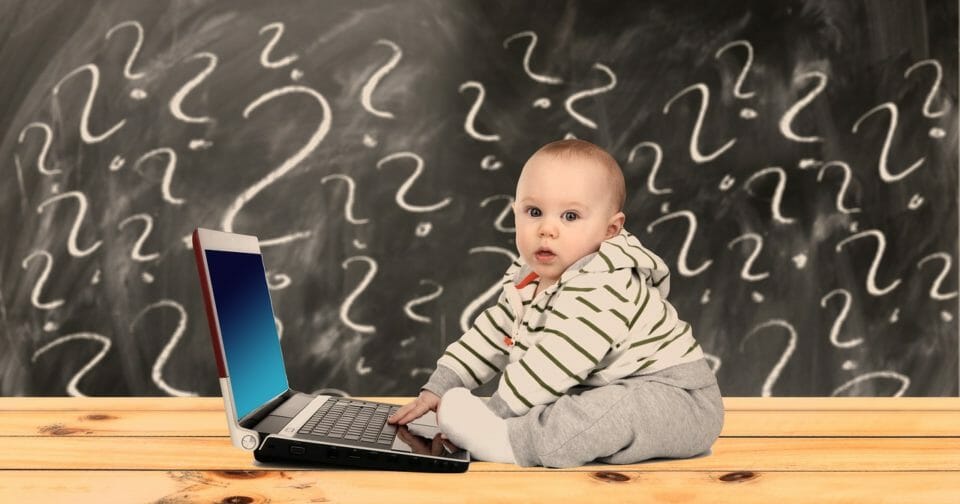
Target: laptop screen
(251,345)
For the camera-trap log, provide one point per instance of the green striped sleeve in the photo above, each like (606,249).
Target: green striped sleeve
(506,378)
(588,304)
(494,323)
(572,343)
(596,329)
(642,308)
(537,379)
(479,357)
(465,366)
(488,340)
(506,311)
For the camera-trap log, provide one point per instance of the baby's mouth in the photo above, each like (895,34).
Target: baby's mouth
(544,255)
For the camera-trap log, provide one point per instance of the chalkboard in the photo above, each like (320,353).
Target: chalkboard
(795,163)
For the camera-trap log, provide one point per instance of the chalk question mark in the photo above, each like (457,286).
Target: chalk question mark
(774,374)
(290,163)
(85,133)
(885,175)
(348,303)
(568,104)
(156,373)
(527,54)
(694,148)
(374,80)
(691,219)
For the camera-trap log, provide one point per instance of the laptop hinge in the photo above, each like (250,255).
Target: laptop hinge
(252,419)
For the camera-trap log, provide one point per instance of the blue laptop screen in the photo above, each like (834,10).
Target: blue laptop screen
(250,341)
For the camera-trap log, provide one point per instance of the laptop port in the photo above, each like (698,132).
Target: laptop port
(297,450)
(354,453)
(332,452)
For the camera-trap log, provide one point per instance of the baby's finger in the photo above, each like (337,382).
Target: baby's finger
(413,412)
(400,413)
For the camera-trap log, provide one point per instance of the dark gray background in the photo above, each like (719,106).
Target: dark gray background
(104,323)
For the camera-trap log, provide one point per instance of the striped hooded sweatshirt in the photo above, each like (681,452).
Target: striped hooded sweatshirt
(606,318)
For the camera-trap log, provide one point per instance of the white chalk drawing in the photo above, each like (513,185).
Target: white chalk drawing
(845,168)
(691,219)
(128,67)
(885,174)
(916,201)
(938,77)
(527,54)
(786,121)
(891,375)
(774,374)
(504,213)
(758,246)
(657,159)
(136,253)
(695,153)
(72,384)
(472,114)
(81,200)
(44,150)
(117,163)
(872,288)
(423,229)
(361,368)
(351,194)
(167,172)
(409,306)
(478,303)
(277,281)
(841,317)
(490,163)
(726,183)
(85,133)
(277,28)
(41,281)
(935,293)
(738,87)
(156,372)
(401,196)
(568,103)
(374,80)
(777,193)
(288,164)
(362,286)
(176,102)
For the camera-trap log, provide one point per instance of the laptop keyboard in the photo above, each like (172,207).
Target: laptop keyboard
(353,420)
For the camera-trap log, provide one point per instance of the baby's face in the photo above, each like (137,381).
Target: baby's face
(564,210)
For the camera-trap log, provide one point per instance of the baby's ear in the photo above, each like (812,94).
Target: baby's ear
(615,225)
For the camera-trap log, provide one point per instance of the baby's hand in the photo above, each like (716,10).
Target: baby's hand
(426,401)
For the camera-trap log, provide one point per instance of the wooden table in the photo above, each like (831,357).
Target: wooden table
(863,450)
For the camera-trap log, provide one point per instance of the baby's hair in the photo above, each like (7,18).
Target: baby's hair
(583,149)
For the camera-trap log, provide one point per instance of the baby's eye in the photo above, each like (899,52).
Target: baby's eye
(534,212)
(570,216)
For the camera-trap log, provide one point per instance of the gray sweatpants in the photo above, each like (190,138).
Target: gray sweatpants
(676,412)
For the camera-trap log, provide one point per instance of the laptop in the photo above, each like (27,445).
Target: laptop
(264,414)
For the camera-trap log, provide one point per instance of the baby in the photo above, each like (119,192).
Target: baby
(596,365)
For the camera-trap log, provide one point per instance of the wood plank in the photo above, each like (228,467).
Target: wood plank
(123,422)
(729,454)
(131,403)
(550,486)
(730,403)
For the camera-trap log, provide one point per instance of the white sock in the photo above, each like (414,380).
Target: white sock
(469,424)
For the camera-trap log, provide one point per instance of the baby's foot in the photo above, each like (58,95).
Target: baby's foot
(469,424)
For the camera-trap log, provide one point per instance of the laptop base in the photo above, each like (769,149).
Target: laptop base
(280,450)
